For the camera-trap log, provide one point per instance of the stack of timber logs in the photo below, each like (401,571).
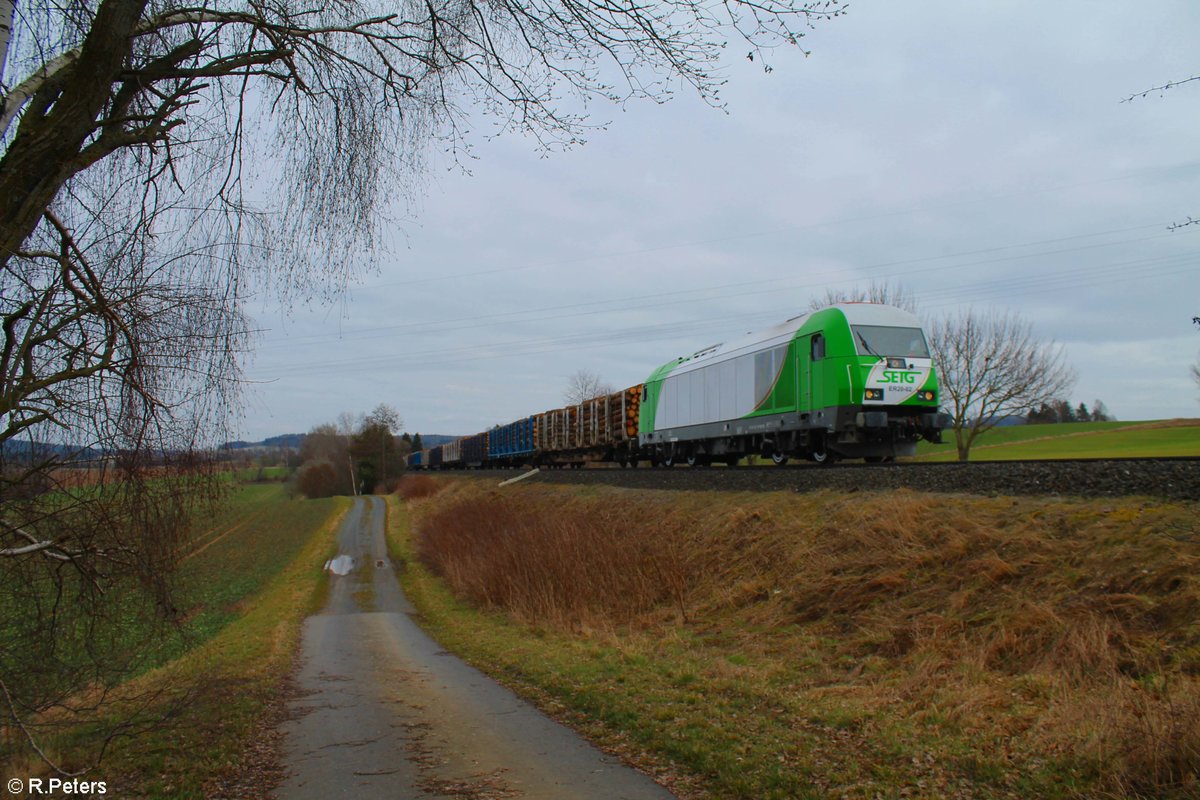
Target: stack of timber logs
(632,407)
(602,422)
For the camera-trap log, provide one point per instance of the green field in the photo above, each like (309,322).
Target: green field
(1076,440)
(260,474)
(245,582)
(248,581)
(258,533)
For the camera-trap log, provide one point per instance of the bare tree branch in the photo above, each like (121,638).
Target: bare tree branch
(1163,88)
(585,385)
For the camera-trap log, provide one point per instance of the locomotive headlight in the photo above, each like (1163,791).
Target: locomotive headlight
(873,394)
(928,395)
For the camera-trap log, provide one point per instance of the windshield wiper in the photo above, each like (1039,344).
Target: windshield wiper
(870,349)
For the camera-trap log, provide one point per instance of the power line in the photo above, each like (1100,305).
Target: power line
(958,203)
(1105,274)
(635,302)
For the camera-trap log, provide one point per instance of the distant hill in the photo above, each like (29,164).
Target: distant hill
(434,439)
(289,440)
(24,450)
(294,440)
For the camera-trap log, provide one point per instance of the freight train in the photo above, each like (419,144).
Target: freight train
(854,380)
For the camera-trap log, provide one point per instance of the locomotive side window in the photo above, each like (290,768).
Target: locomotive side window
(818,347)
(764,376)
(767,366)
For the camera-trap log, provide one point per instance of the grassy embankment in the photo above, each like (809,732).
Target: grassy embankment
(246,582)
(817,645)
(1179,437)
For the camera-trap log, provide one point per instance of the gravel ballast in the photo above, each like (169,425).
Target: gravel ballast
(1177,479)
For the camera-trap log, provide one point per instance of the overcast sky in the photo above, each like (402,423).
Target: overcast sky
(979,154)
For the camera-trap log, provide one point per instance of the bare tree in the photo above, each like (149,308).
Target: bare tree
(160,161)
(385,417)
(585,385)
(886,292)
(112,380)
(990,367)
(376,442)
(326,465)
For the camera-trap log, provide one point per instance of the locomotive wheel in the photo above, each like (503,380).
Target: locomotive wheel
(695,460)
(668,461)
(822,455)
(732,461)
(778,458)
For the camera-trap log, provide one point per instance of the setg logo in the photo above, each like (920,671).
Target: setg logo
(897,377)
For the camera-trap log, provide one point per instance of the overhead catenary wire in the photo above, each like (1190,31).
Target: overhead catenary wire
(853,220)
(686,296)
(664,331)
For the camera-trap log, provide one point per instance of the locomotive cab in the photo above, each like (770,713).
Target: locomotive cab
(891,397)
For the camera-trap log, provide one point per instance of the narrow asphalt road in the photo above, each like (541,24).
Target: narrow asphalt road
(385,712)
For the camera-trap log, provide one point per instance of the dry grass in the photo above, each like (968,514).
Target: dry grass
(1068,631)
(414,487)
(574,565)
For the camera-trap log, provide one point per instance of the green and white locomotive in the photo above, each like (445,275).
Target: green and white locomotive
(853,380)
(848,381)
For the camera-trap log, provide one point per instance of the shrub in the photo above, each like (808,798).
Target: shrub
(317,479)
(414,487)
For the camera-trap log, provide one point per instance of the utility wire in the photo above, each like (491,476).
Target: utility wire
(636,302)
(664,331)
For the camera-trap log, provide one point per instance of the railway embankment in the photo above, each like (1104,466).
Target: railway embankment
(1177,479)
(836,642)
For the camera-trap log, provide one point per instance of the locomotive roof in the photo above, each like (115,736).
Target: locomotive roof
(855,314)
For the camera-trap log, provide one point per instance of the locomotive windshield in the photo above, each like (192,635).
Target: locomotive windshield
(876,340)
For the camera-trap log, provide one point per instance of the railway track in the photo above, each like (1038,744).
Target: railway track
(1173,478)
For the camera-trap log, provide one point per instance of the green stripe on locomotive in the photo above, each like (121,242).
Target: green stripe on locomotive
(774,372)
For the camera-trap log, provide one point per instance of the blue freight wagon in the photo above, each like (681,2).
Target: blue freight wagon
(510,443)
